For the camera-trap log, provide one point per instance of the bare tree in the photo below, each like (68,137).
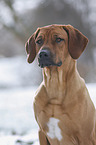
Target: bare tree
(16,25)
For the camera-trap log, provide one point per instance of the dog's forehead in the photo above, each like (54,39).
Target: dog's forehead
(51,30)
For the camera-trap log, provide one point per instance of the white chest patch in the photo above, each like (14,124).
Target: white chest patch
(54,130)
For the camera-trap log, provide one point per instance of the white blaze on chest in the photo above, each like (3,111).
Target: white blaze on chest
(54,130)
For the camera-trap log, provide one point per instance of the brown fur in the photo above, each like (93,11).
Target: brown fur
(63,94)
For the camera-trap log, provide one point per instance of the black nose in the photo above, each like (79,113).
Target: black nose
(44,54)
(44,58)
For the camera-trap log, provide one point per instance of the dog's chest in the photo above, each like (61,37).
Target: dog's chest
(54,111)
(53,129)
(49,120)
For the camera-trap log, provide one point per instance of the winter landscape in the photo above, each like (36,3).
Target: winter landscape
(20,80)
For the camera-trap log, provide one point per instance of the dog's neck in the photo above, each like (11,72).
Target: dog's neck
(57,79)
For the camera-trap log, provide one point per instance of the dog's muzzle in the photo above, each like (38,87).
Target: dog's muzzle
(45,59)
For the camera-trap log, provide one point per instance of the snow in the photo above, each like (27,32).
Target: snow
(17,116)
(16,72)
(31,138)
(17,121)
(17,109)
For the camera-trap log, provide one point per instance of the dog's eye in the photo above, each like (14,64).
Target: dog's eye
(40,41)
(58,40)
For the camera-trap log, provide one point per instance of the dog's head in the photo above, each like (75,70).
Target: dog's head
(52,44)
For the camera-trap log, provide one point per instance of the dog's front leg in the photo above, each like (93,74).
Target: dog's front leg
(43,139)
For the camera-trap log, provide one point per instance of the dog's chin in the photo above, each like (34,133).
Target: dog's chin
(43,64)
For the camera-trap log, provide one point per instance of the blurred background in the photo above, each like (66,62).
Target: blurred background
(18,79)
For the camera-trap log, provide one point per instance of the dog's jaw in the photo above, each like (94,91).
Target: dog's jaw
(47,64)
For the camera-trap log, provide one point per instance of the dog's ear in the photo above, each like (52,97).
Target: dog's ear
(31,47)
(76,41)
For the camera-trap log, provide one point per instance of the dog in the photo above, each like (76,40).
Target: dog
(62,105)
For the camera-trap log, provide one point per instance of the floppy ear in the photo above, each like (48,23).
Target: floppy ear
(31,47)
(76,41)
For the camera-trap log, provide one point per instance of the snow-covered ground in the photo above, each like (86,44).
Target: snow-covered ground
(17,121)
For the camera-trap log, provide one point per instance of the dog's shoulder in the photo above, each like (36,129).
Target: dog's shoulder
(41,97)
(40,101)
(41,92)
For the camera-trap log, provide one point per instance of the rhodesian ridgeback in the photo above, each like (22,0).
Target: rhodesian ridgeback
(63,108)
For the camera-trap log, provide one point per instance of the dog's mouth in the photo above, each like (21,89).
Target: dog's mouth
(46,63)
